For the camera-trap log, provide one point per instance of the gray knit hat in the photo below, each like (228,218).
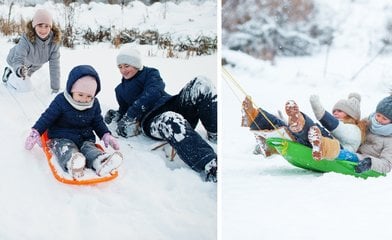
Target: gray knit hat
(385,107)
(351,106)
(131,57)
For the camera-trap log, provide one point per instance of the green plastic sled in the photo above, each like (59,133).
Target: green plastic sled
(301,156)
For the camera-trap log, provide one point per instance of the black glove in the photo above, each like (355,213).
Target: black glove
(128,127)
(111,115)
(22,72)
(363,165)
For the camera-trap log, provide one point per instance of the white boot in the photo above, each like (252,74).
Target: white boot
(75,165)
(107,163)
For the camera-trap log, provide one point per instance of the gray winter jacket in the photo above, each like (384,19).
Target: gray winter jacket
(379,149)
(34,55)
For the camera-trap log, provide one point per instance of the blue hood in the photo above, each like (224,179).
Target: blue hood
(81,71)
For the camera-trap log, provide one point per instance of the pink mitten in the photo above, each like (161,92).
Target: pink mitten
(108,139)
(32,139)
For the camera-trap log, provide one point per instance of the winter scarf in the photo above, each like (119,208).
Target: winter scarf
(78,105)
(379,129)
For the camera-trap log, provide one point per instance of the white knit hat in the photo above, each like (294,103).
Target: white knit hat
(42,16)
(131,57)
(350,106)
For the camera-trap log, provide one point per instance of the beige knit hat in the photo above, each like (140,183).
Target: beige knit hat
(42,16)
(350,106)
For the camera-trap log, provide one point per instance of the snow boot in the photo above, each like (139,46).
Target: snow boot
(107,163)
(296,120)
(6,74)
(262,147)
(322,147)
(249,112)
(210,169)
(75,165)
(314,137)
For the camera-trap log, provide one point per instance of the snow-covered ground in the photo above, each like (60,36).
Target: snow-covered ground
(269,199)
(152,198)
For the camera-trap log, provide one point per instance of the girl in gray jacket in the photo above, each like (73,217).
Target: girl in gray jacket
(40,44)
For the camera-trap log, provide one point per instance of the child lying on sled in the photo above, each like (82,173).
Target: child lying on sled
(71,120)
(344,124)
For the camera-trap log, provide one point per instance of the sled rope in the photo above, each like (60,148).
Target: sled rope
(227,76)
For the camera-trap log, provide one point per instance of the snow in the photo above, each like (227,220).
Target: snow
(269,199)
(152,198)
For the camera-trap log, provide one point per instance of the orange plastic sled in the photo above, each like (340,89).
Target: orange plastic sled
(61,176)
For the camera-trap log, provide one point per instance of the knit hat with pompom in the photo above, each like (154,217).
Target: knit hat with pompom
(350,106)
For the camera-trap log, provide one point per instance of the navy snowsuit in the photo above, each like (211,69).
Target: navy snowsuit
(172,118)
(63,121)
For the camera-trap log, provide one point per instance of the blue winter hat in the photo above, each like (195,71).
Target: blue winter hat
(385,107)
(82,71)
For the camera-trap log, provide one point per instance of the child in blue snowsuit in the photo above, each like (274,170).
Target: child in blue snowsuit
(145,106)
(71,120)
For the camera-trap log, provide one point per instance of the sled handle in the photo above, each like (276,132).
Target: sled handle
(281,145)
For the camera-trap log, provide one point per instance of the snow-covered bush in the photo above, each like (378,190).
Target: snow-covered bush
(264,29)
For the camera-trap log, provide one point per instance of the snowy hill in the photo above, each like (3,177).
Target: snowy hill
(152,198)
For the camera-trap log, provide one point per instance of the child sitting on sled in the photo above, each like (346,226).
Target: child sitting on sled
(377,148)
(344,124)
(71,120)
(376,151)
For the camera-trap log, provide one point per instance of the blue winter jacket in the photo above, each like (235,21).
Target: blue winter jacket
(62,120)
(141,94)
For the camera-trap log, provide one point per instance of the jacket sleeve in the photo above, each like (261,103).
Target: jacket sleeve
(98,124)
(383,163)
(17,55)
(329,121)
(153,90)
(54,67)
(48,117)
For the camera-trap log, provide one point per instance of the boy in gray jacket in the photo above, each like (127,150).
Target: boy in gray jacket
(40,44)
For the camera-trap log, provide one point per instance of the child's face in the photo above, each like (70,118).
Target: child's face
(82,97)
(381,119)
(127,71)
(42,30)
(339,114)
